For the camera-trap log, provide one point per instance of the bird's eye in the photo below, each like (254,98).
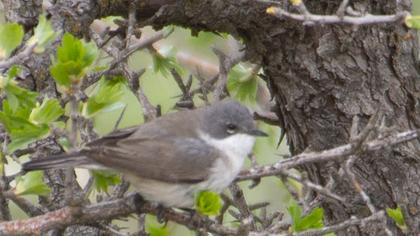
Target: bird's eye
(231,128)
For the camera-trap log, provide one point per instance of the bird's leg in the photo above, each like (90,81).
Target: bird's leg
(160,215)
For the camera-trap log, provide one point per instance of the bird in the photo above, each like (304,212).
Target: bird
(170,159)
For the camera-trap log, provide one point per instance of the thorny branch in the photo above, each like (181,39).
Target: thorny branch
(103,211)
(120,58)
(226,64)
(318,188)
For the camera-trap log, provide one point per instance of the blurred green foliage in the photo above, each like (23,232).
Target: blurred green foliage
(106,96)
(397,215)
(31,183)
(208,203)
(103,179)
(242,83)
(74,56)
(312,220)
(11,35)
(43,35)
(49,111)
(23,118)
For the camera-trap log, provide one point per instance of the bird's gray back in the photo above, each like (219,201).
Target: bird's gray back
(157,150)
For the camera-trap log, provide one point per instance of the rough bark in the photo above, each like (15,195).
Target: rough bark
(331,74)
(320,77)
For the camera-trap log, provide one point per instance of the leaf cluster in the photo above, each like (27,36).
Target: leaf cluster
(74,56)
(312,220)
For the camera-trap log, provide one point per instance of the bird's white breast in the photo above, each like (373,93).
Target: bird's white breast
(235,148)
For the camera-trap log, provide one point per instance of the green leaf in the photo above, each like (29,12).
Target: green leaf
(43,35)
(18,127)
(20,101)
(156,230)
(208,203)
(74,56)
(32,183)
(23,98)
(64,143)
(313,220)
(13,71)
(164,61)
(412,21)
(25,121)
(71,49)
(105,96)
(11,35)
(295,212)
(65,73)
(103,179)
(397,216)
(47,112)
(241,84)
(21,131)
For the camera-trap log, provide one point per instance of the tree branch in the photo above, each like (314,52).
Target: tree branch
(104,211)
(334,154)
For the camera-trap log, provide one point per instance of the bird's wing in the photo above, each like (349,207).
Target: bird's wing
(179,160)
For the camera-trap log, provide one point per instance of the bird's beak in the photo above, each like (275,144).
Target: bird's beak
(257,132)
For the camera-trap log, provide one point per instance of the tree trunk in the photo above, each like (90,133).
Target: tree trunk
(323,76)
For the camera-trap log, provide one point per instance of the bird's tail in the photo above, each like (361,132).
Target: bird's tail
(57,161)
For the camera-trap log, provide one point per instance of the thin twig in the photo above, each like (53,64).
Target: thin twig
(335,154)
(225,65)
(138,45)
(24,204)
(141,225)
(342,8)
(378,216)
(19,58)
(239,201)
(117,123)
(335,19)
(69,178)
(318,188)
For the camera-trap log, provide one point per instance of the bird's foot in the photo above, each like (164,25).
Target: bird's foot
(160,215)
(160,209)
(196,219)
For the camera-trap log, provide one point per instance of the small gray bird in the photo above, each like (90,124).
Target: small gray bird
(172,157)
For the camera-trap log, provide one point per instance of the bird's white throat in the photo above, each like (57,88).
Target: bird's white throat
(235,149)
(237,145)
